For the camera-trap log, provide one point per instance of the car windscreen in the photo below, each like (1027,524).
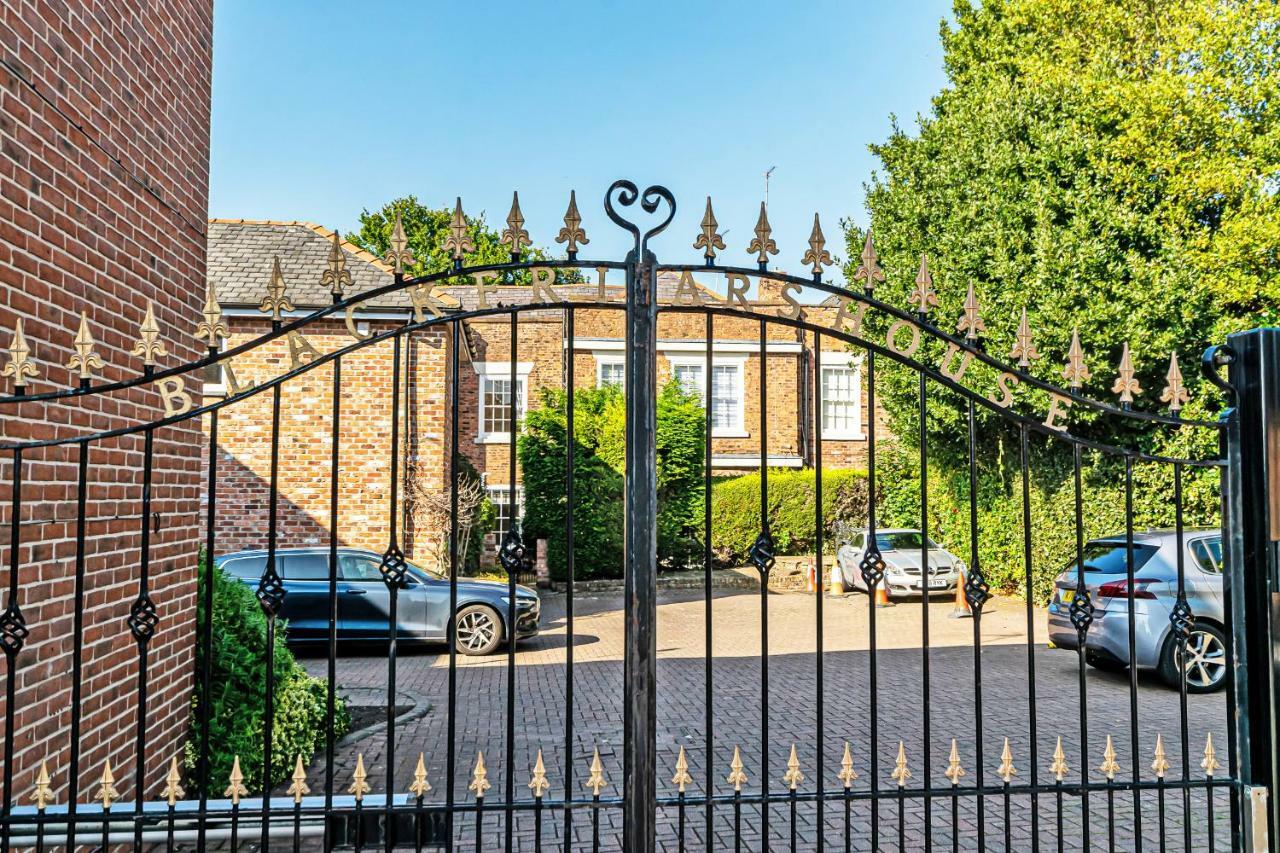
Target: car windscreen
(1109,557)
(901,541)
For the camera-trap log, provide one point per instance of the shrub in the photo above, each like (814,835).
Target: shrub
(237,704)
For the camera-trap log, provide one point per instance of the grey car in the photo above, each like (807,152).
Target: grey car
(901,550)
(364,600)
(1155,589)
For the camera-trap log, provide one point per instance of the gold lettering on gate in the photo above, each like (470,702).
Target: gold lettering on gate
(601,294)
(856,317)
(298,347)
(737,284)
(352,330)
(483,288)
(686,290)
(948,367)
(422,295)
(796,312)
(1058,405)
(891,338)
(233,384)
(541,281)
(1005,383)
(174,396)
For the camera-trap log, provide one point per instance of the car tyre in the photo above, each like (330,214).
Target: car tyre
(479,630)
(1207,660)
(1102,663)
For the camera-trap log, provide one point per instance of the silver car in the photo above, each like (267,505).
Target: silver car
(901,550)
(1155,590)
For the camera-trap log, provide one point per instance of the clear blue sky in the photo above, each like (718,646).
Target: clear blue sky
(323,108)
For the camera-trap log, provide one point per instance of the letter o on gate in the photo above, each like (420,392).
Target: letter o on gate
(891,338)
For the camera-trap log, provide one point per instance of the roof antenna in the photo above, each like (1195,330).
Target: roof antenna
(766,184)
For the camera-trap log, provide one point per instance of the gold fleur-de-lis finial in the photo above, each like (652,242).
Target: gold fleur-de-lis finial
(173,783)
(763,244)
(275,301)
(1160,764)
(847,774)
(817,254)
(971,321)
(43,794)
(900,772)
(1076,372)
(737,776)
(299,788)
(149,345)
(1210,763)
(538,783)
(359,787)
(869,272)
(954,771)
(709,240)
(793,777)
(682,776)
(923,297)
(1024,349)
(399,255)
(1006,770)
(420,786)
(459,239)
(1175,392)
(337,277)
(572,233)
(514,236)
(479,777)
(85,361)
(211,327)
(595,779)
(236,789)
(1126,385)
(1059,767)
(107,792)
(1109,765)
(19,366)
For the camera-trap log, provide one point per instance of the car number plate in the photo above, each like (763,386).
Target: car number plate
(937,584)
(1068,595)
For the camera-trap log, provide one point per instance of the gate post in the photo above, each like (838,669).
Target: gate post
(1251,526)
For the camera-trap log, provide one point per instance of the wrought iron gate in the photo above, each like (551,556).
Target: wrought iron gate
(842,782)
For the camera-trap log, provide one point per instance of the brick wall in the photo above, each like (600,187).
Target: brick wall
(104,130)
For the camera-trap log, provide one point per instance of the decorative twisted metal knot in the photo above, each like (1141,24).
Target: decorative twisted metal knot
(1081,610)
(976,589)
(762,553)
(13,629)
(270,592)
(512,554)
(872,566)
(1181,618)
(143,619)
(393,566)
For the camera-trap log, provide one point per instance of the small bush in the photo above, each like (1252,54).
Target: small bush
(237,709)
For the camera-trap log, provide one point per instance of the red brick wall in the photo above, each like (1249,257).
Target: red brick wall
(104,131)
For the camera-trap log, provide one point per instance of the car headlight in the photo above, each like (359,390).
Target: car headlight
(893,571)
(522,602)
(960,566)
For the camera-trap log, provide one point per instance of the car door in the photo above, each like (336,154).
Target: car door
(306,598)
(364,602)
(1205,573)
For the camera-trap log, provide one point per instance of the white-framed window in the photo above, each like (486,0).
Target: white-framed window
(496,397)
(500,497)
(610,369)
(727,399)
(841,396)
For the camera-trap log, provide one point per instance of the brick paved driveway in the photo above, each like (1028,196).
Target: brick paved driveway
(793,705)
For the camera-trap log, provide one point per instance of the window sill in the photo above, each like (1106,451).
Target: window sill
(494,438)
(729,433)
(844,436)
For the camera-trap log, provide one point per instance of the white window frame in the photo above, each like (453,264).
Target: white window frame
(739,363)
(609,359)
(499,370)
(853,363)
(517,512)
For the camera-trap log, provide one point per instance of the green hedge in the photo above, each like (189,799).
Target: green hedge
(238,700)
(735,510)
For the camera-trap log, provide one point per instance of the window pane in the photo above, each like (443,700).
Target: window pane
(305,567)
(839,401)
(245,567)
(496,402)
(358,568)
(726,396)
(501,499)
(1208,555)
(611,373)
(690,378)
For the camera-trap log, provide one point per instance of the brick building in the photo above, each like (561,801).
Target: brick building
(241,258)
(104,148)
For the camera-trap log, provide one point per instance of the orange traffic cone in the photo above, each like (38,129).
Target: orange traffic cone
(811,578)
(837,581)
(961,608)
(882,596)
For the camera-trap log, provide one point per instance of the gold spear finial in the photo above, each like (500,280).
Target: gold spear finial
(299,788)
(275,301)
(1109,765)
(763,244)
(869,272)
(43,794)
(1059,767)
(85,360)
(793,777)
(1210,763)
(459,240)
(539,783)
(900,772)
(1160,764)
(420,785)
(572,233)
(337,277)
(1024,350)
(479,777)
(515,237)
(737,777)
(817,254)
(399,255)
(1175,392)
(211,327)
(107,789)
(149,345)
(1076,372)
(236,789)
(709,240)
(923,297)
(847,774)
(596,780)
(173,783)
(359,787)
(971,321)
(682,776)
(1006,770)
(954,771)
(1126,385)
(19,366)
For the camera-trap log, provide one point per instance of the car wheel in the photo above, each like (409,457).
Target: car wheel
(1206,660)
(479,630)
(1104,663)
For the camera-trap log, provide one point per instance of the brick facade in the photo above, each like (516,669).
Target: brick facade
(104,134)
